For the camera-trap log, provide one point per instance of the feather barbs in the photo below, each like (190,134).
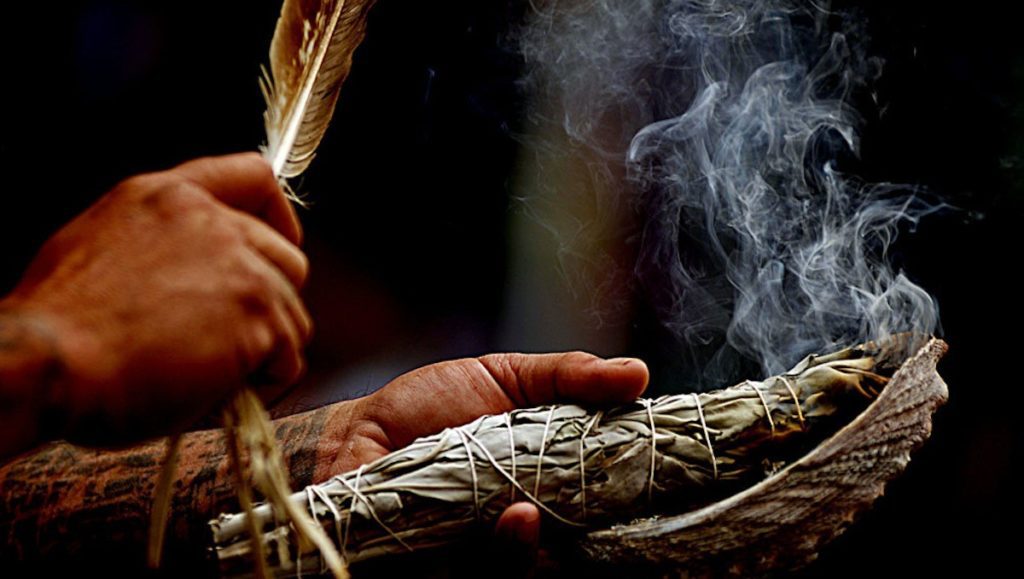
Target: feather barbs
(310,58)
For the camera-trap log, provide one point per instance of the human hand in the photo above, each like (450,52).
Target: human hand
(448,394)
(173,290)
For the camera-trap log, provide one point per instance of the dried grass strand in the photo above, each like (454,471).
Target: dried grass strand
(269,474)
(161,510)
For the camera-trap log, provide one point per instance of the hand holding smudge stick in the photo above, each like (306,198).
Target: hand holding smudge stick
(584,469)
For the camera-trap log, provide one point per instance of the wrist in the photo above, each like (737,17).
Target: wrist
(312,442)
(31,402)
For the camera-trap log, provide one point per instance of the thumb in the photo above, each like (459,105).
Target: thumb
(533,379)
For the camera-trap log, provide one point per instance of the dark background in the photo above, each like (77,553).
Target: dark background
(409,228)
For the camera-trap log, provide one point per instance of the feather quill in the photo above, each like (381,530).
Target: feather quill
(310,58)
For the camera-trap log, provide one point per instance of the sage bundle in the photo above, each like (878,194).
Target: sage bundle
(584,469)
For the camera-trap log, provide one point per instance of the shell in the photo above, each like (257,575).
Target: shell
(783,521)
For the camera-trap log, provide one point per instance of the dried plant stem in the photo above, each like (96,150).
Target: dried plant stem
(234,444)
(162,502)
(255,431)
(247,425)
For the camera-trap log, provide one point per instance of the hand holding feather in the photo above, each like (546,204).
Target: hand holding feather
(172,291)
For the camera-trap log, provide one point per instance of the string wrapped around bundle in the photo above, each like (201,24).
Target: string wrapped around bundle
(583,468)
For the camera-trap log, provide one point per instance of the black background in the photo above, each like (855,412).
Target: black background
(408,230)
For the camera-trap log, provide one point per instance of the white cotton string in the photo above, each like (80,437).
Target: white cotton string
(799,411)
(707,435)
(532,498)
(764,402)
(352,505)
(512,455)
(583,469)
(654,450)
(472,472)
(372,511)
(540,455)
(335,514)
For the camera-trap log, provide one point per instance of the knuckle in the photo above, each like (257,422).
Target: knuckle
(572,366)
(256,345)
(175,198)
(256,295)
(165,195)
(302,267)
(296,370)
(223,237)
(308,330)
(259,166)
(506,370)
(575,359)
(498,365)
(262,289)
(138,185)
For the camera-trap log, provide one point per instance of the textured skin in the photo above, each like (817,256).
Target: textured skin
(782,522)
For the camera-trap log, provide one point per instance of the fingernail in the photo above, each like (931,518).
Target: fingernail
(621,361)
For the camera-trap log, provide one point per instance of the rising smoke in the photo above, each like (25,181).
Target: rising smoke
(730,122)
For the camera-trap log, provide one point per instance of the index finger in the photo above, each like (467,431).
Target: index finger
(246,182)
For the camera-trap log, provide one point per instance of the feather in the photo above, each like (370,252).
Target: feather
(310,58)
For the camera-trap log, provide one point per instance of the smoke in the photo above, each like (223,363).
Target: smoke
(730,123)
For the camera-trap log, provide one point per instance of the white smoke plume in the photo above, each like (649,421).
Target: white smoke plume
(731,122)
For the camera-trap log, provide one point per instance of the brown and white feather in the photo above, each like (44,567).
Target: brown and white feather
(310,58)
